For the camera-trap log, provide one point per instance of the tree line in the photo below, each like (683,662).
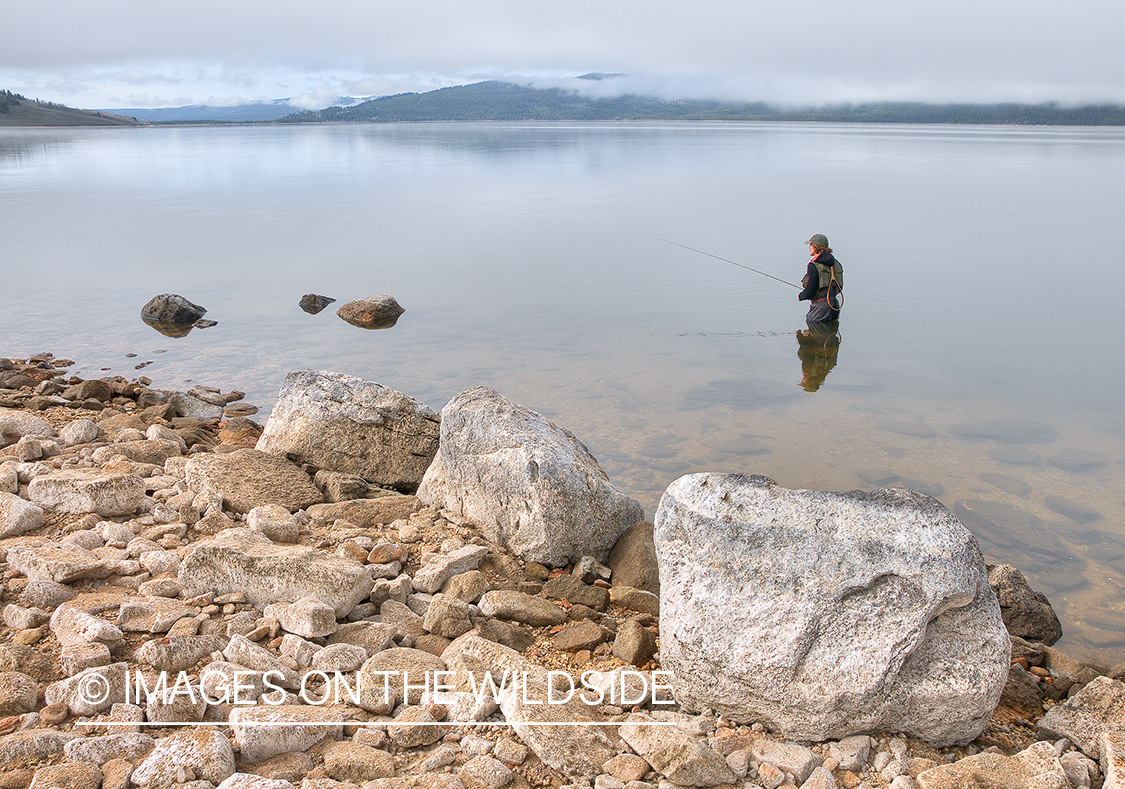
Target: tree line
(9,100)
(504,101)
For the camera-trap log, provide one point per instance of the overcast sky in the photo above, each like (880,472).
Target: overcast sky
(147,53)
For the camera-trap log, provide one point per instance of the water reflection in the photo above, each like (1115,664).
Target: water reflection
(818,347)
(169,329)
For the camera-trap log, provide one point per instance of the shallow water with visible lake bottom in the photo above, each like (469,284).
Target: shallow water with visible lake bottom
(977,357)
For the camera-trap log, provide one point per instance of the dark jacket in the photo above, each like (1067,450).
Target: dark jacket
(820,310)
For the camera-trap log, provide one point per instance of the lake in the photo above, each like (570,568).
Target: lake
(532,258)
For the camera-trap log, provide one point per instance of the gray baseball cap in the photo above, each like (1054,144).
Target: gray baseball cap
(819,239)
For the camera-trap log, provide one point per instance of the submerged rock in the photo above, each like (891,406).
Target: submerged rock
(827,614)
(1079,513)
(1007,431)
(373,312)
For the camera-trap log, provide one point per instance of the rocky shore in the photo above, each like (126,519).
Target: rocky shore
(191,600)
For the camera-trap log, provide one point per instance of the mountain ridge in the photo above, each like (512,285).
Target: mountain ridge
(506,101)
(494,100)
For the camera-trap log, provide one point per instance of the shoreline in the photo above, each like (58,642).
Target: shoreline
(406,533)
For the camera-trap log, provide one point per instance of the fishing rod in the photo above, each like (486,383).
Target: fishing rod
(733,263)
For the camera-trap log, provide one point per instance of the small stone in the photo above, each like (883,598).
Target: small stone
(588,569)
(740,763)
(308,617)
(510,752)
(484,772)
(20,618)
(29,637)
(583,636)
(79,775)
(628,767)
(447,617)
(634,644)
(205,753)
(275,522)
(54,714)
(441,757)
(356,763)
(18,693)
(537,572)
(636,599)
(76,658)
(373,312)
(343,658)
(467,587)
(416,733)
(520,607)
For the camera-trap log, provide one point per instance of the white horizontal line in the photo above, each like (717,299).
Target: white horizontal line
(405,724)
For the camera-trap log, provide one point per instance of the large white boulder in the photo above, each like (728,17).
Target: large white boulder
(343,423)
(529,484)
(827,614)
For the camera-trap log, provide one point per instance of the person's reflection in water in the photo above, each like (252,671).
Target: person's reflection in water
(817,348)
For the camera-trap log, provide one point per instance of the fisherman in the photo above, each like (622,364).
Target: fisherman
(824,282)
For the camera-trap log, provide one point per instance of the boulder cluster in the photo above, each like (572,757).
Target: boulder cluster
(371,594)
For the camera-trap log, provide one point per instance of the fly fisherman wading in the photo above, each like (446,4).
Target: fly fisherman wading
(824,282)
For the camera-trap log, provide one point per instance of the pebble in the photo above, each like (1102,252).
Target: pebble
(54,714)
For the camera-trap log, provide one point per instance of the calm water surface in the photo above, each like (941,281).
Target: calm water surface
(977,359)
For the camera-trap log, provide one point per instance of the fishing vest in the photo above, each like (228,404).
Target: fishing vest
(826,273)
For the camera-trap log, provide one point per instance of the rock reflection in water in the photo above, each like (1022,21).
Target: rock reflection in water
(179,329)
(171,329)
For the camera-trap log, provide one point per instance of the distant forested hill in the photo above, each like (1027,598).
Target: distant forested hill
(195,113)
(505,101)
(17,110)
